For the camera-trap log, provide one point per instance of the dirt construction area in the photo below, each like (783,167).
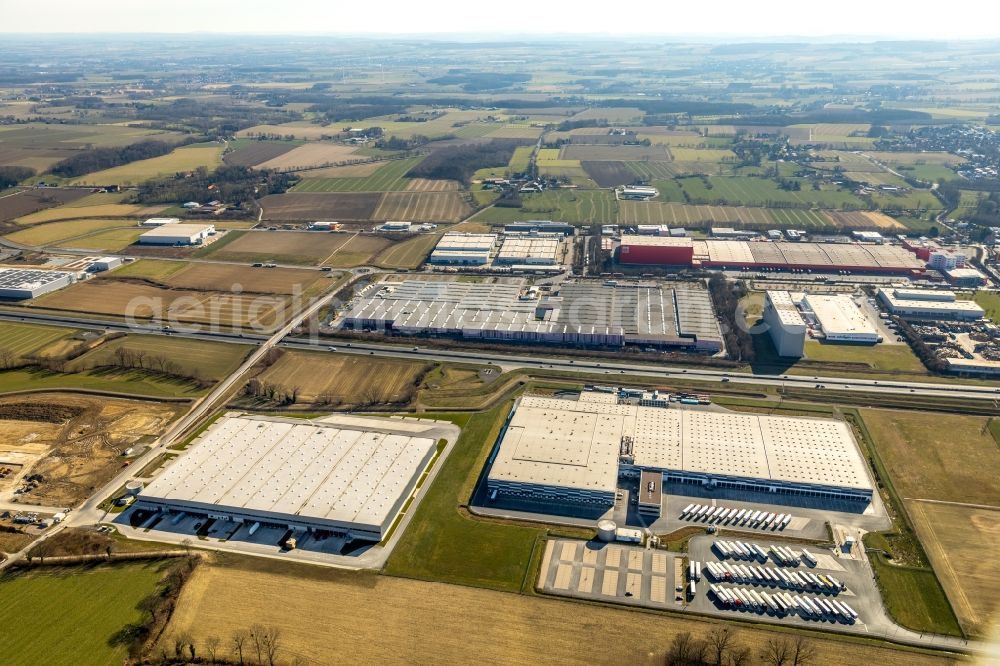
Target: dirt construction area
(509,628)
(63,447)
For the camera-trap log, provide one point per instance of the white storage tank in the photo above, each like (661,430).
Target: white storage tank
(134,487)
(607,531)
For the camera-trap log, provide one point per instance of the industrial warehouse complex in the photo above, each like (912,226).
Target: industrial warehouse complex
(177,234)
(571,452)
(607,314)
(294,474)
(929,304)
(24,283)
(745,255)
(785,324)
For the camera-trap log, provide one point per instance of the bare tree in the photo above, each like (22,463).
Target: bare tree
(212,644)
(7,359)
(685,650)
(719,641)
(239,641)
(803,651)
(257,637)
(271,641)
(776,651)
(740,656)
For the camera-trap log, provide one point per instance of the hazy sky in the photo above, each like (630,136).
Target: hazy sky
(715,18)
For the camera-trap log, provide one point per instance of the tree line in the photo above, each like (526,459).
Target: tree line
(12,175)
(98,159)
(236,185)
(726,300)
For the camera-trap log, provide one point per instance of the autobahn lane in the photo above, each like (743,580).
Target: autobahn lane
(515,361)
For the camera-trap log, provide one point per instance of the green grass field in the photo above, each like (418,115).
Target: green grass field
(25,339)
(441,543)
(126,382)
(750,191)
(914,597)
(989,301)
(58,232)
(211,360)
(151,269)
(578,207)
(71,616)
(888,358)
(183,159)
(388,178)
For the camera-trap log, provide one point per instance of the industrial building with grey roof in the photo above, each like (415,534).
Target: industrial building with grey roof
(571,452)
(23,283)
(586,313)
(305,475)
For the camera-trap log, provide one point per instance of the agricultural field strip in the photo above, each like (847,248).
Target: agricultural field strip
(388,178)
(24,339)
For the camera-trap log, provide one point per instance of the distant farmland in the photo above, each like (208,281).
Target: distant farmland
(389,177)
(595,153)
(422,207)
(286,247)
(251,152)
(29,201)
(180,160)
(311,206)
(311,155)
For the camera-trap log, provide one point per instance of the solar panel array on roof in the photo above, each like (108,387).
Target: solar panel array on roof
(586,312)
(319,473)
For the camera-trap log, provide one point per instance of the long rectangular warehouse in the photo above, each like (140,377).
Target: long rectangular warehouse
(746,255)
(571,452)
(22,283)
(584,313)
(304,475)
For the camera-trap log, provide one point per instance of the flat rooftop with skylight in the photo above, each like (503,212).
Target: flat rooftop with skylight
(571,452)
(301,475)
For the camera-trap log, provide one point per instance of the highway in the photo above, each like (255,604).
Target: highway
(516,361)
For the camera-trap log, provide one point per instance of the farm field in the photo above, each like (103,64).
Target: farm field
(612,114)
(78,211)
(702,154)
(912,200)
(597,153)
(514,132)
(211,361)
(659,170)
(283,247)
(749,191)
(359,250)
(25,339)
(310,155)
(344,379)
(183,159)
(930,158)
(29,201)
(641,212)
(359,170)
(942,457)
(422,207)
(299,131)
(510,629)
(248,152)
(610,174)
(389,177)
(578,207)
(409,253)
(109,240)
(311,206)
(53,233)
(127,382)
(863,220)
(954,538)
(72,615)
(144,301)
(41,146)
(430,185)
(229,277)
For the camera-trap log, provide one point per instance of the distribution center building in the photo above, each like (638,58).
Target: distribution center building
(748,255)
(464,249)
(295,474)
(583,313)
(785,324)
(840,319)
(177,234)
(23,283)
(929,304)
(570,453)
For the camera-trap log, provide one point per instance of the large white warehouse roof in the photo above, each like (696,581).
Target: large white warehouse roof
(575,444)
(309,472)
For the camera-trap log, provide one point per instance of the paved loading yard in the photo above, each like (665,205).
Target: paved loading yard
(645,577)
(610,572)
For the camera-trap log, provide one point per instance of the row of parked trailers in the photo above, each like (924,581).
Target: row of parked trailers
(740,550)
(757,575)
(783,603)
(721,515)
